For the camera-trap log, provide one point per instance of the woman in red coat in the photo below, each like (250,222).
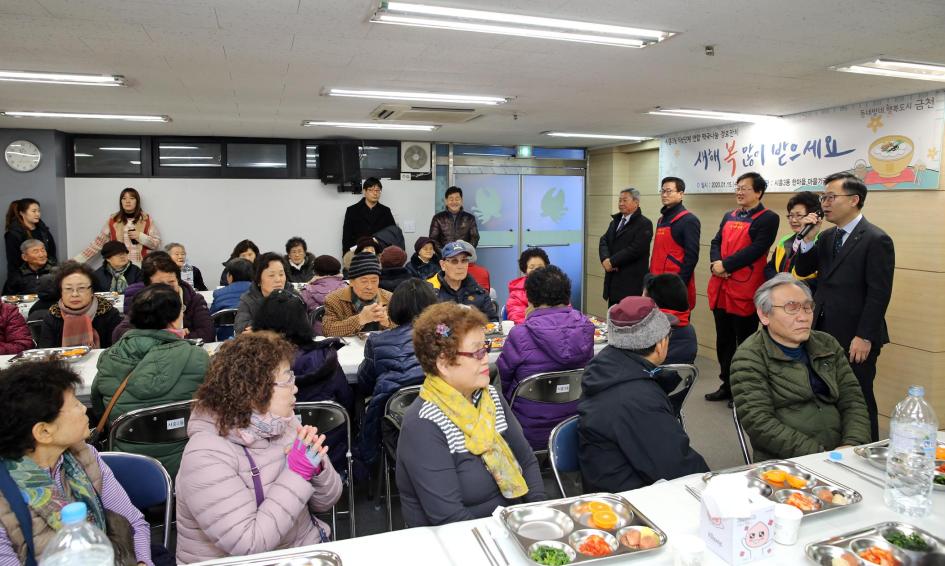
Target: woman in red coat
(530,260)
(14,334)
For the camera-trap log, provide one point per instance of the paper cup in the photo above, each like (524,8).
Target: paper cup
(688,550)
(507,326)
(787,523)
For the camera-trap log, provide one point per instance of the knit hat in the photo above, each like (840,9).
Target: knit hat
(393,256)
(113,247)
(366,242)
(326,265)
(636,323)
(422,241)
(459,247)
(364,264)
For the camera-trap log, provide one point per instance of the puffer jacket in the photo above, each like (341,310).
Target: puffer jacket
(196,314)
(551,339)
(469,293)
(227,298)
(517,303)
(302,274)
(778,408)
(421,270)
(14,334)
(389,364)
(391,277)
(250,301)
(106,320)
(164,369)
(217,514)
(446,227)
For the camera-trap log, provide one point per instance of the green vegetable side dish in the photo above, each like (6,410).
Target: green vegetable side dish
(550,556)
(912,542)
(940,479)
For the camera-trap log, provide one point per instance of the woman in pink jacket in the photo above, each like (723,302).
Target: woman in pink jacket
(517,305)
(251,475)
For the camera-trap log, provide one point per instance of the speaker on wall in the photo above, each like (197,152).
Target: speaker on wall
(340,163)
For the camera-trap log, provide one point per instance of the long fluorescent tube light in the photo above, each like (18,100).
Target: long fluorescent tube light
(61,78)
(178,146)
(83,116)
(372,125)
(187,157)
(417,96)
(712,115)
(407,13)
(896,68)
(120,148)
(595,136)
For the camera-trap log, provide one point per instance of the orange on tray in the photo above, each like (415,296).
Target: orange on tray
(940,452)
(598,506)
(796,482)
(774,476)
(604,519)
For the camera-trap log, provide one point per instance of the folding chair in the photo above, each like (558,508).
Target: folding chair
(161,424)
(223,318)
(35,327)
(688,374)
(563,450)
(394,411)
(146,482)
(319,313)
(555,387)
(328,416)
(743,442)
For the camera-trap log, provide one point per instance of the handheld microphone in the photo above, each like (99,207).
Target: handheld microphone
(806,229)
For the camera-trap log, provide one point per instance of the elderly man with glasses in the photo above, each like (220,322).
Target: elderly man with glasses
(794,390)
(454,283)
(624,249)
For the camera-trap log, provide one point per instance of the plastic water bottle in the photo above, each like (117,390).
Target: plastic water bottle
(910,462)
(187,273)
(78,542)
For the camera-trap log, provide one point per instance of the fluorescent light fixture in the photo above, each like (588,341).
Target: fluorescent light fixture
(61,78)
(372,125)
(187,157)
(595,136)
(178,146)
(712,115)
(423,15)
(120,148)
(190,165)
(84,155)
(417,96)
(896,68)
(135,162)
(83,116)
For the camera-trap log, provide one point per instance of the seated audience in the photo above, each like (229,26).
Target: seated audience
(461,452)
(389,362)
(365,245)
(301,262)
(784,254)
(628,434)
(160,366)
(672,297)
(78,318)
(251,475)
(793,387)
(454,223)
(360,307)
(15,335)
(189,274)
(46,296)
(425,261)
(327,279)
(453,282)
(245,249)
(42,450)
(393,272)
(158,267)
(270,276)
(25,280)
(24,222)
(517,304)
(239,277)
(553,337)
(117,272)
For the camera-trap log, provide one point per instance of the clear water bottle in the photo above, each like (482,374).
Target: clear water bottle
(187,274)
(78,542)
(910,462)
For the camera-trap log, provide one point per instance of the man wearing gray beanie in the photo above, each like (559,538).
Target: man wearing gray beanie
(628,434)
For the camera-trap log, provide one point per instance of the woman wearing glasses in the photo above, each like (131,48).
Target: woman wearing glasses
(251,475)
(461,452)
(78,318)
(784,255)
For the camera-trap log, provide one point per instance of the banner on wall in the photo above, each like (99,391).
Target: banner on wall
(894,143)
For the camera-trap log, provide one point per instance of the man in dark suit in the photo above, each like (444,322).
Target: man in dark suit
(854,262)
(365,217)
(625,249)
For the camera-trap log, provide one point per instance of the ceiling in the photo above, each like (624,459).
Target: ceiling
(256,67)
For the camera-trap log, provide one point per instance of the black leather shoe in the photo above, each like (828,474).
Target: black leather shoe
(721,394)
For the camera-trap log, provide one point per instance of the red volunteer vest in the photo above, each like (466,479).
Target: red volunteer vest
(113,233)
(735,295)
(668,255)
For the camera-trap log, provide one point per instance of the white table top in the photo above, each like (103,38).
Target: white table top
(667,504)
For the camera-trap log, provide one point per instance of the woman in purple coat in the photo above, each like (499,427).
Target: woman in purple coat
(554,337)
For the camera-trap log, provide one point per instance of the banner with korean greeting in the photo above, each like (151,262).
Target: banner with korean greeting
(891,144)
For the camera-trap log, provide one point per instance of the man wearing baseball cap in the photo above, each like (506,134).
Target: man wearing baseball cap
(453,282)
(628,433)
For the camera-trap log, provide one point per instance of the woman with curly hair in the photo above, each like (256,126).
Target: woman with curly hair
(461,453)
(251,475)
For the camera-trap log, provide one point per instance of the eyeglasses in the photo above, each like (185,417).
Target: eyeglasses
(289,382)
(667,191)
(373,190)
(77,290)
(792,307)
(458,260)
(828,197)
(743,189)
(794,216)
(478,354)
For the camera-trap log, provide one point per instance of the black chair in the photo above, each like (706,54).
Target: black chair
(688,375)
(35,327)
(327,416)
(224,318)
(743,442)
(394,411)
(555,387)
(319,313)
(162,424)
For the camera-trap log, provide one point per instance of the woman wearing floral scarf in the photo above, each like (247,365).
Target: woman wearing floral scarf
(78,318)
(461,453)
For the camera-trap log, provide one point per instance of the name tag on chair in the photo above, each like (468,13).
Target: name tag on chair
(175,423)
(563,388)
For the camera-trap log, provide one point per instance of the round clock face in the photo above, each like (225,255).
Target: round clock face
(22,155)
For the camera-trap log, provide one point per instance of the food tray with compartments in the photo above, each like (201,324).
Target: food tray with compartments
(13,299)
(67,354)
(783,481)
(875,455)
(871,545)
(568,525)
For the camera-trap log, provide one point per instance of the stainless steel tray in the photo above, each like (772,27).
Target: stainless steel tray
(14,299)
(846,546)
(813,488)
(875,455)
(565,523)
(43,354)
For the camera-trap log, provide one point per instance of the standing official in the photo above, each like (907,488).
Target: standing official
(676,243)
(454,223)
(365,217)
(625,249)
(738,254)
(854,262)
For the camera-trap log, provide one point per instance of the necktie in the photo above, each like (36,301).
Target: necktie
(623,222)
(838,241)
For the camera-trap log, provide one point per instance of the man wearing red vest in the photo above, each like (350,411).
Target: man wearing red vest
(738,254)
(676,243)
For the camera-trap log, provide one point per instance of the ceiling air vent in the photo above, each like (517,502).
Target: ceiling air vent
(425,114)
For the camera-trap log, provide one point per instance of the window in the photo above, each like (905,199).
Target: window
(187,154)
(107,156)
(558,153)
(311,158)
(256,155)
(386,158)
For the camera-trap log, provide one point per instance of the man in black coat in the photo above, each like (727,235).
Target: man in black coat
(854,262)
(625,249)
(365,217)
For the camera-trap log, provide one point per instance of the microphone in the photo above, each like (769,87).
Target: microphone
(806,229)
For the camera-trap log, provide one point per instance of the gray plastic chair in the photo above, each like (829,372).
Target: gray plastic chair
(743,442)
(549,387)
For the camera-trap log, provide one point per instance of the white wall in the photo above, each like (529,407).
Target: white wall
(210,215)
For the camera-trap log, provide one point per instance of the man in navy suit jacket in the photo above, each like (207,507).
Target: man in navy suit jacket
(854,262)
